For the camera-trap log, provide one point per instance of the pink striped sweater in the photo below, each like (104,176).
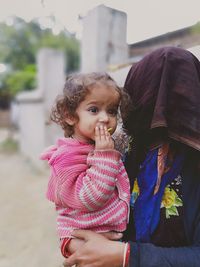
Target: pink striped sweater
(90,188)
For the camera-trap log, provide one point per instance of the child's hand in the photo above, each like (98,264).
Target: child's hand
(103,139)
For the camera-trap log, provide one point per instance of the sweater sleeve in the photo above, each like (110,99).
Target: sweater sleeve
(93,187)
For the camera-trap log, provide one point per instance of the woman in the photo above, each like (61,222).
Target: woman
(163,164)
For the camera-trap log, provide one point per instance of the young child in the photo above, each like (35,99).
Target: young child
(88,182)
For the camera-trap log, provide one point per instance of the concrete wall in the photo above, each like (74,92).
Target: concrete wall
(51,77)
(195,50)
(35,131)
(104,39)
(32,130)
(120,75)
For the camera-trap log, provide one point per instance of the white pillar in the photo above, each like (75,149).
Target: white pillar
(103,39)
(35,132)
(51,74)
(51,77)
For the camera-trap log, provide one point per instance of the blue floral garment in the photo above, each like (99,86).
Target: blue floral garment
(147,205)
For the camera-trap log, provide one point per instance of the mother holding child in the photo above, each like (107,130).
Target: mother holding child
(163,166)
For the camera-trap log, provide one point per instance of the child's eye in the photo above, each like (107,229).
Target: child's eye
(93,109)
(113,112)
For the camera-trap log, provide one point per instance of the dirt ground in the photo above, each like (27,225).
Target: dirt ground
(27,222)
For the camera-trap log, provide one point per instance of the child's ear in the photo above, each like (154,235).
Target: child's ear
(70,120)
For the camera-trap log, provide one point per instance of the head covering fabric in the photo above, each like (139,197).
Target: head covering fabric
(165,91)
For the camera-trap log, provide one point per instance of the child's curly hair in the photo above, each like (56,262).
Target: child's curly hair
(75,90)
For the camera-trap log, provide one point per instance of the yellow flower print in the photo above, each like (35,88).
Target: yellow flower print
(168,198)
(170,202)
(135,193)
(136,188)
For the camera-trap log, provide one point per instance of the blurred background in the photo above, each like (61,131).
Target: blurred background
(41,42)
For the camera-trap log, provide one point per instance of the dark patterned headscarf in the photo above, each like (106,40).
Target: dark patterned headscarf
(165,91)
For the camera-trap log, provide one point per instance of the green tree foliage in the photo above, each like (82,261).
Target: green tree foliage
(195,29)
(21,80)
(69,45)
(19,44)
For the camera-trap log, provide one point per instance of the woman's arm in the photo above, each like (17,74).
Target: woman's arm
(98,251)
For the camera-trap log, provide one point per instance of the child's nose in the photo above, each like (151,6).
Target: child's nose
(103,117)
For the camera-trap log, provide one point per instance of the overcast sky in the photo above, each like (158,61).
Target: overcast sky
(145,18)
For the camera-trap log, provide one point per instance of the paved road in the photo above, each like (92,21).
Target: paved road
(27,224)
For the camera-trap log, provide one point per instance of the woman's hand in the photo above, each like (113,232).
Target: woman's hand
(77,243)
(96,251)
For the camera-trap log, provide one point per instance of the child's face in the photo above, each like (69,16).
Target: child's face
(100,107)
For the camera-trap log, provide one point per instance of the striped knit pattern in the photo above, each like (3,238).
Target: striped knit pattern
(90,188)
